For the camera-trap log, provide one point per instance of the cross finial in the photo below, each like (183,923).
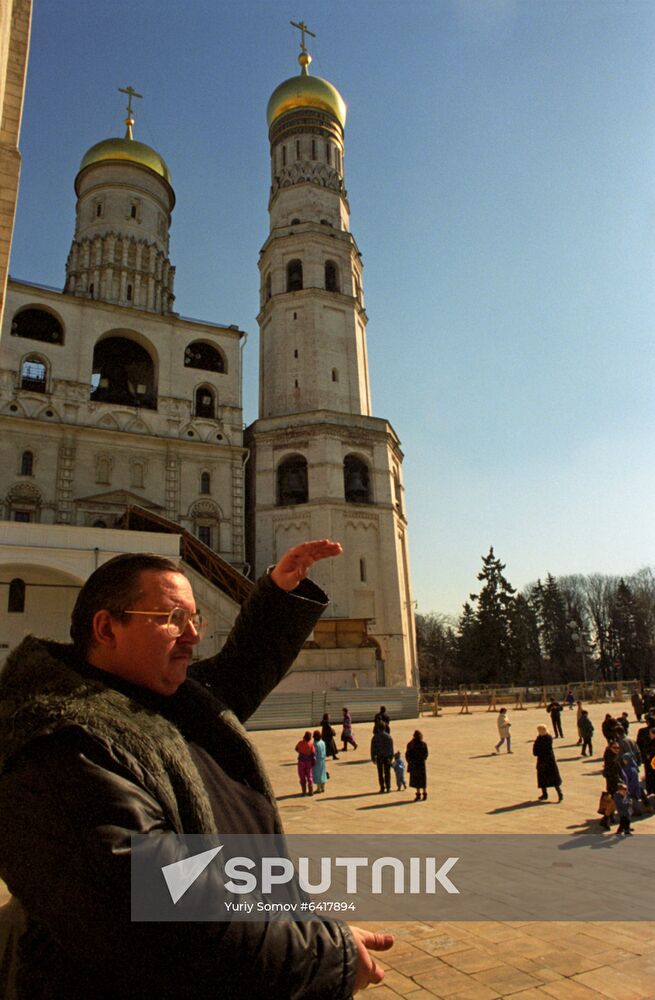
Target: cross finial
(129,121)
(304,30)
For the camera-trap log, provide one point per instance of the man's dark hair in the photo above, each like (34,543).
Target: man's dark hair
(114,586)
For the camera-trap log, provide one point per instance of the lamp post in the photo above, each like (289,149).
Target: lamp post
(579,641)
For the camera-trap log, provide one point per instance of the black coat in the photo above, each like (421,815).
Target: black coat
(417,754)
(548,775)
(84,766)
(381,746)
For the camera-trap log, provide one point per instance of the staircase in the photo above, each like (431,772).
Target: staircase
(194,552)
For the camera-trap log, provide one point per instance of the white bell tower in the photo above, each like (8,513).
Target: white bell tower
(321,465)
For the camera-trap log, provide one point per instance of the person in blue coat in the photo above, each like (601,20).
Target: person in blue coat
(319,770)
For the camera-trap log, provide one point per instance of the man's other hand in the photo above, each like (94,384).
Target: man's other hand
(368,973)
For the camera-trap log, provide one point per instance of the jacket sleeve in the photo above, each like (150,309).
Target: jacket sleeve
(265,640)
(68,807)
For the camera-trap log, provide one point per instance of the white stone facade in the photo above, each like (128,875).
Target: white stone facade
(90,456)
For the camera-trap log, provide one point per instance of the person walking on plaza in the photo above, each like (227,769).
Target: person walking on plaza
(608,725)
(306,761)
(122,733)
(554,709)
(570,698)
(416,755)
(504,726)
(622,803)
(578,716)
(382,716)
(548,775)
(637,705)
(382,755)
(328,735)
(347,731)
(399,770)
(319,770)
(586,730)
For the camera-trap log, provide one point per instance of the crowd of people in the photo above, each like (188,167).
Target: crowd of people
(314,747)
(626,791)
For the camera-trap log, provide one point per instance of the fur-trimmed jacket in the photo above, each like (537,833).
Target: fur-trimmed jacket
(88,760)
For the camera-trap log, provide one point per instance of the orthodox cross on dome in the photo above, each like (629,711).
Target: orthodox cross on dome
(304,58)
(129,121)
(302,27)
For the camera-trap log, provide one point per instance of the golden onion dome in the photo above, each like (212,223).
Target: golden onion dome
(305,91)
(130,151)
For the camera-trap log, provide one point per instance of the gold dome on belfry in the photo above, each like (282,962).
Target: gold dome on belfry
(130,150)
(305,91)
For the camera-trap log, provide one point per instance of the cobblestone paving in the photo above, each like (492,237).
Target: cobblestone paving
(473,790)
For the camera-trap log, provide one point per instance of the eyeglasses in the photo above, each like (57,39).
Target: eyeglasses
(178,619)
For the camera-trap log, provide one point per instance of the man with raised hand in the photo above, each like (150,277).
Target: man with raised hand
(120,734)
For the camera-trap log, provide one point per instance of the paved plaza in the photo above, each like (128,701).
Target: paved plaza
(471,790)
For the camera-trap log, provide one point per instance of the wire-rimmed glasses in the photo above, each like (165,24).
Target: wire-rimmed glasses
(178,619)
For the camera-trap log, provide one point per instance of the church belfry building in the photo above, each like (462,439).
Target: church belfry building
(320,464)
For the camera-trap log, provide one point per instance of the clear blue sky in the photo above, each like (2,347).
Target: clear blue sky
(500,164)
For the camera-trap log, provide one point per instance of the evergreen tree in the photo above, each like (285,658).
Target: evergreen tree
(525,652)
(556,637)
(493,614)
(468,646)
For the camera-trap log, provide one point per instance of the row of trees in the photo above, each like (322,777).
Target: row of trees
(555,631)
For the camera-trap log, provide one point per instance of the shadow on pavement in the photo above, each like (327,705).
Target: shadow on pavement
(518,805)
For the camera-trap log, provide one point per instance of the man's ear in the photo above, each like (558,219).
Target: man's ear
(103,629)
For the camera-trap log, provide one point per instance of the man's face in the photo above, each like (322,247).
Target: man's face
(141,650)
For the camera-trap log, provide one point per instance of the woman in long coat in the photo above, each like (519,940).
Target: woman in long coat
(548,775)
(416,754)
(328,736)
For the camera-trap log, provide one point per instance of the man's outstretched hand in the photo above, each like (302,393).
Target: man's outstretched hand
(293,566)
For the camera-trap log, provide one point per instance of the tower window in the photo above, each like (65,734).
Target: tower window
(295,353)
(16,602)
(284,156)
(356,480)
(37,324)
(295,383)
(26,463)
(362,570)
(123,373)
(328,152)
(129,293)
(297,149)
(292,481)
(98,210)
(33,374)
(204,356)
(267,287)
(133,212)
(331,276)
(294,276)
(205,482)
(205,405)
(335,375)
(313,149)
